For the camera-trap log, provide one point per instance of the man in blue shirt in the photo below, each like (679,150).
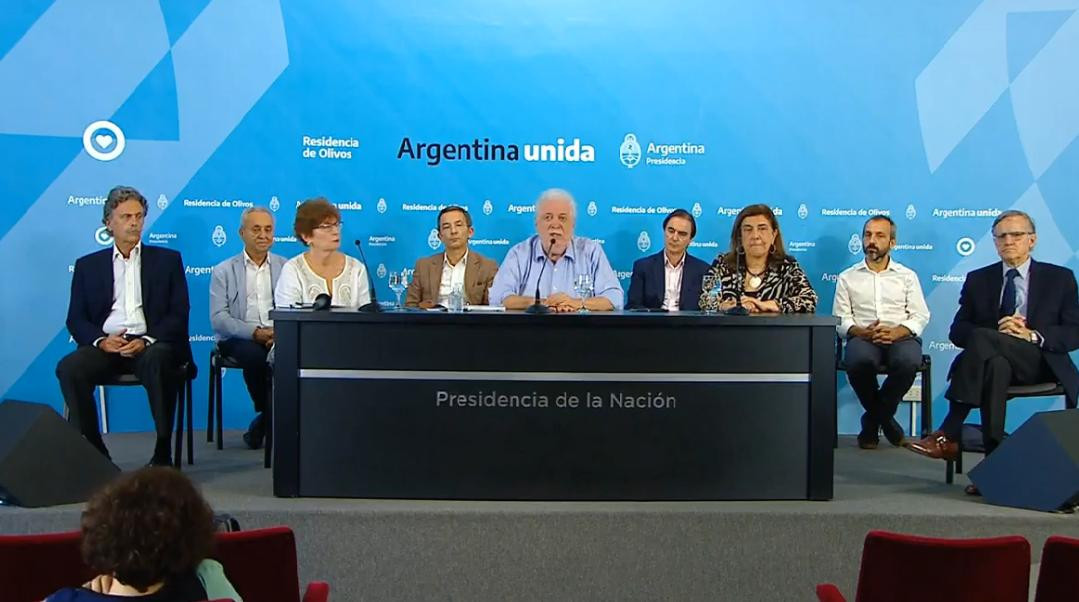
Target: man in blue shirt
(552,259)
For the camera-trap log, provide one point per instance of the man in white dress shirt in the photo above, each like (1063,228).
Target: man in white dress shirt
(434,277)
(128,314)
(241,297)
(881,312)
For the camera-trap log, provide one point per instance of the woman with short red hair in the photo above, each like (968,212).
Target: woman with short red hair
(323,268)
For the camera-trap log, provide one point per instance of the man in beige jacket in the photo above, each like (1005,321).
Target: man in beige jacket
(435,276)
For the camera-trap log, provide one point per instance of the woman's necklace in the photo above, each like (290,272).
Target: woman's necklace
(755,280)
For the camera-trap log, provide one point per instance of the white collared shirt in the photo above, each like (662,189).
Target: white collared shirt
(452,275)
(893,296)
(126,314)
(259,292)
(672,278)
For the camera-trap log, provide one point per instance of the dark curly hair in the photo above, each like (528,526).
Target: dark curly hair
(146,527)
(311,214)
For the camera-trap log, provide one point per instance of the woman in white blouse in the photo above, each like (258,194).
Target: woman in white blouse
(323,268)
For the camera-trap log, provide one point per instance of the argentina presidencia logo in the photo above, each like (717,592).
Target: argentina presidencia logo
(911,212)
(854,245)
(488,208)
(630,151)
(593,209)
(432,239)
(219,237)
(697,210)
(275,203)
(644,242)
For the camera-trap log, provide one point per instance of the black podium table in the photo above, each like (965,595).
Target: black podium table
(598,406)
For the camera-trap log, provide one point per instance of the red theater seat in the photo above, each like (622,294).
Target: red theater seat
(901,568)
(261,564)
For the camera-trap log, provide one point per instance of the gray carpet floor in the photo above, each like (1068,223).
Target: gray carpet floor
(476,550)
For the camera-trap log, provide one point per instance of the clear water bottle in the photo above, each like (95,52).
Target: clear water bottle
(457,298)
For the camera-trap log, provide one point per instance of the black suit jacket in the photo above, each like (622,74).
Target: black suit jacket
(1052,310)
(164,297)
(647,285)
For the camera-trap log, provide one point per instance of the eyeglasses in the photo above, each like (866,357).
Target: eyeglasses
(333,226)
(1010,235)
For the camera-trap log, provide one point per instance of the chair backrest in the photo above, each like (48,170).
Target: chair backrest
(261,563)
(34,566)
(1058,576)
(900,568)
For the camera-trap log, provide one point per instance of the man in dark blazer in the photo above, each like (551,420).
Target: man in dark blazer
(128,314)
(670,279)
(1017,321)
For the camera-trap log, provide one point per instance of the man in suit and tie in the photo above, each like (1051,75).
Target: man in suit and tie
(1017,321)
(241,297)
(128,314)
(435,277)
(670,279)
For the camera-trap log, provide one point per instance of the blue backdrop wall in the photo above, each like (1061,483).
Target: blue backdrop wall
(938,114)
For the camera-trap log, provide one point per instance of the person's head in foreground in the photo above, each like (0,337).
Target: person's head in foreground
(145,534)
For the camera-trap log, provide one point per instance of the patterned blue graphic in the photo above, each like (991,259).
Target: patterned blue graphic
(938,114)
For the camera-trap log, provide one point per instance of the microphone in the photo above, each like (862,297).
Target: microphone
(738,310)
(321,303)
(373,307)
(537,307)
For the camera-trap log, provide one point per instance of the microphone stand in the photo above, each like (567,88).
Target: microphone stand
(372,307)
(537,307)
(738,310)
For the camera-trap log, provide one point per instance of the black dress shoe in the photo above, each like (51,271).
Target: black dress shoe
(256,431)
(252,441)
(257,425)
(868,438)
(972,490)
(160,461)
(867,443)
(893,432)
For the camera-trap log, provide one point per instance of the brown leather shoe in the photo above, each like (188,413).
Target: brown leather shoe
(971,490)
(936,446)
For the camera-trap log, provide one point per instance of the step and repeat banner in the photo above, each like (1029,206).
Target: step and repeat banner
(940,115)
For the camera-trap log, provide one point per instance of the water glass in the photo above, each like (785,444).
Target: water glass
(398,282)
(583,287)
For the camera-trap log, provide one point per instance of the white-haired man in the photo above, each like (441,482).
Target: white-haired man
(552,260)
(241,297)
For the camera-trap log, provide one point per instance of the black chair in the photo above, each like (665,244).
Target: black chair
(1049,389)
(218,362)
(925,369)
(185,374)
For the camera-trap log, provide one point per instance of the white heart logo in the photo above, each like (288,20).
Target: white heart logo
(101,135)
